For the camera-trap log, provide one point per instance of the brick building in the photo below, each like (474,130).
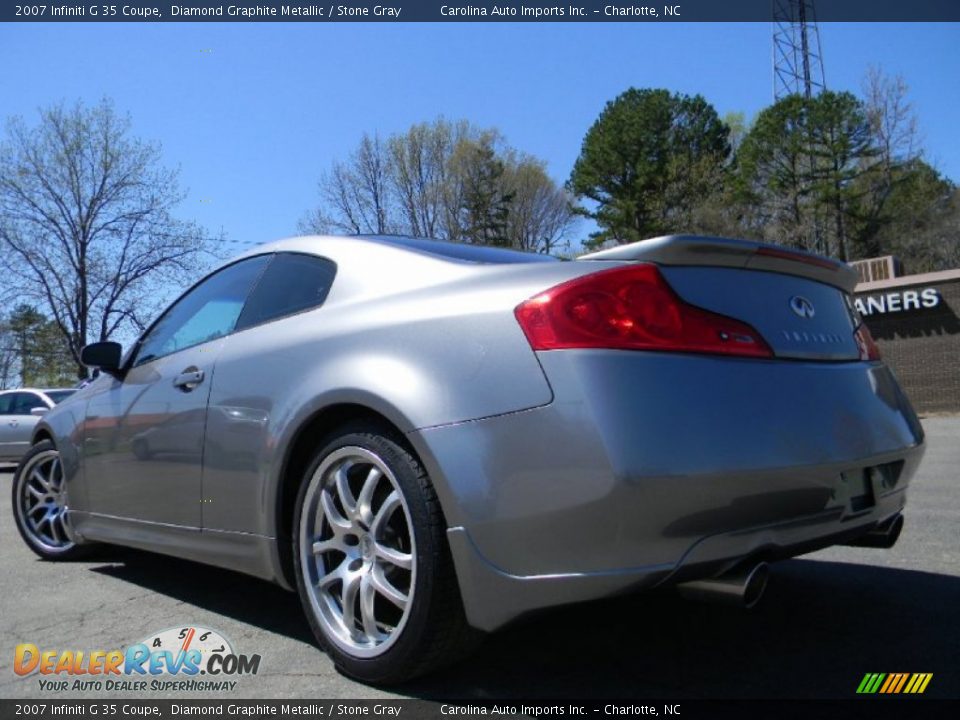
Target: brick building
(915,320)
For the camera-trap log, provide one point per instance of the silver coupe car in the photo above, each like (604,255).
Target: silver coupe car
(20,411)
(426,440)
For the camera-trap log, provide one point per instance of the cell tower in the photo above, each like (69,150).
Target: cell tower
(797,59)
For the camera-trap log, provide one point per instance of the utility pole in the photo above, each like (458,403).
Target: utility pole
(798,70)
(797,58)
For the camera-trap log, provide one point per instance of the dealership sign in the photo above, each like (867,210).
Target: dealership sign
(898,301)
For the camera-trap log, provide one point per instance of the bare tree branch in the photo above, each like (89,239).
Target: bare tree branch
(87,222)
(420,182)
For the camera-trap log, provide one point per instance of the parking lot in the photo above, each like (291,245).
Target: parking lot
(827,619)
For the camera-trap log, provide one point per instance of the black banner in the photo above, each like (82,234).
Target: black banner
(477,11)
(875,708)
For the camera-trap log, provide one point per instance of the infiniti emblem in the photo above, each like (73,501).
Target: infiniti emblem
(802,307)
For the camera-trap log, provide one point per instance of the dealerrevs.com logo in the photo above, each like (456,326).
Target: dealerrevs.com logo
(171,660)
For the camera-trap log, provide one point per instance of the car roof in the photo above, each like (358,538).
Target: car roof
(337,246)
(37,390)
(460,251)
(373,266)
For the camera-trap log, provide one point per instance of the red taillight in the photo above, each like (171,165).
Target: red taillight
(631,308)
(868,348)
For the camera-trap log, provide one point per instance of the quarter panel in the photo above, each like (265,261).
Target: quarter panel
(423,358)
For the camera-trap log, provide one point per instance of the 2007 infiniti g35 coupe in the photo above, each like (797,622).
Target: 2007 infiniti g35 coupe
(426,439)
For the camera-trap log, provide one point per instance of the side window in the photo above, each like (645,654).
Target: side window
(6,404)
(291,283)
(207,312)
(24,402)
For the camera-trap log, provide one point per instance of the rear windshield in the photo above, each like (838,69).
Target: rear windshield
(462,251)
(58,396)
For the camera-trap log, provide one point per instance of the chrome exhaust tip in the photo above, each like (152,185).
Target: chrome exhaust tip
(883,536)
(742,587)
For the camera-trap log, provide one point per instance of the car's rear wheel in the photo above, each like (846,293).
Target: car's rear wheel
(40,505)
(373,567)
(141,449)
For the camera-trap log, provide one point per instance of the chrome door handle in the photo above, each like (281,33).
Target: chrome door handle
(188,379)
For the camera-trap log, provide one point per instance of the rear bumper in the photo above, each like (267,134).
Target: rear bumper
(651,468)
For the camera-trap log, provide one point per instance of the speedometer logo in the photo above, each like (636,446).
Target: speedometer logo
(204,641)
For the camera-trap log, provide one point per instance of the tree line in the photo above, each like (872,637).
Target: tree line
(91,240)
(835,174)
(32,351)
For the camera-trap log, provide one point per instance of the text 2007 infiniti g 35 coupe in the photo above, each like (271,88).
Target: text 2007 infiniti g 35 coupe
(426,439)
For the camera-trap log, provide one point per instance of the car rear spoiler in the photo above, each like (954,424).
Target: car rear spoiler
(726,252)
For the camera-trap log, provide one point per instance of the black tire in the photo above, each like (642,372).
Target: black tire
(39,457)
(435,631)
(141,449)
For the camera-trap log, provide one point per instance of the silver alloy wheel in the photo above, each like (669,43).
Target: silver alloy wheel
(358,551)
(42,503)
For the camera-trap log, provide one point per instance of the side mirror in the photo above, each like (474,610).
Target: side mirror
(39,411)
(103,355)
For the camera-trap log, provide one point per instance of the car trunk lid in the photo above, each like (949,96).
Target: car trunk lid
(800,303)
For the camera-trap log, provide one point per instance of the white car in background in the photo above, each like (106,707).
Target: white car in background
(20,411)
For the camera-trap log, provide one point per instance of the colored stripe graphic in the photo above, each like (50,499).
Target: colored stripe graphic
(926,681)
(894,683)
(870,683)
(892,679)
(903,679)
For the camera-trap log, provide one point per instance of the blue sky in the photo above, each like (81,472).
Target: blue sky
(253,112)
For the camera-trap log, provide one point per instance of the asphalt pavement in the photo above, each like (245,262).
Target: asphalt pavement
(826,620)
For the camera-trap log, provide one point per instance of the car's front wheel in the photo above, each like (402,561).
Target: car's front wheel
(40,507)
(373,567)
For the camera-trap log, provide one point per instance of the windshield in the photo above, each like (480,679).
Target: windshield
(58,396)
